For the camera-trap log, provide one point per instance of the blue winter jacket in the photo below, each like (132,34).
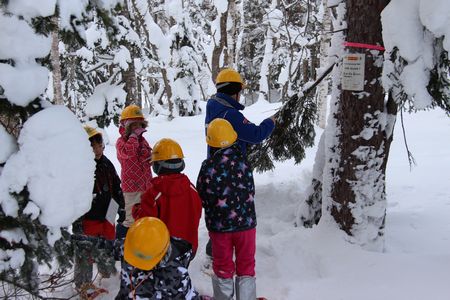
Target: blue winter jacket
(223,106)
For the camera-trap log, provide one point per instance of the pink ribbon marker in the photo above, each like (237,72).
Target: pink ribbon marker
(365,46)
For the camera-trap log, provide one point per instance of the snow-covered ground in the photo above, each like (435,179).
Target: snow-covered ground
(297,263)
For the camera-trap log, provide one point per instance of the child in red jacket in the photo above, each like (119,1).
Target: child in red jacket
(133,153)
(171,197)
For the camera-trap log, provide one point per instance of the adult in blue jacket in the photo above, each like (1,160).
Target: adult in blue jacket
(225,104)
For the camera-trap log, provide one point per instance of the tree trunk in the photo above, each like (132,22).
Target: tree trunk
(168,92)
(232,34)
(358,188)
(264,81)
(56,63)
(129,77)
(324,46)
(218,48)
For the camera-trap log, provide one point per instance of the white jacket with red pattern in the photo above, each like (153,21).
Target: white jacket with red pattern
(134,155)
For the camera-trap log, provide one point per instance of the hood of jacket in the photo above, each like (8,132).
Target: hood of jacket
(230,100)
(171,184)
(121,129)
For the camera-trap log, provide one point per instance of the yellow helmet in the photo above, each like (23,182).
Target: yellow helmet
(229,75)
(131,112)
(91,131)
(146,243)
(166,149)
(220,134)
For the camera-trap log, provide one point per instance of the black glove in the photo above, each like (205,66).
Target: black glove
(121,213)
(77,226)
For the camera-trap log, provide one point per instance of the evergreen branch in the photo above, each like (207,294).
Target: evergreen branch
(294,130)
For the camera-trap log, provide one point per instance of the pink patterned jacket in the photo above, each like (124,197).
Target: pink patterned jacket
(134,155)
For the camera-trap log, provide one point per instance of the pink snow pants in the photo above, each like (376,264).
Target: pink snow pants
(242,244)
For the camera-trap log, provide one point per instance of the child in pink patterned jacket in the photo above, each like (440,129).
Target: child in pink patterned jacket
(133,153)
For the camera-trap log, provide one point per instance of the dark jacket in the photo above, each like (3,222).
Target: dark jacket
(168,280)
(225,185)
(223,106)
(106,187)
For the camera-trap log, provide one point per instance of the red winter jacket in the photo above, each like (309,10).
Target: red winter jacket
(173,199)
(134,155)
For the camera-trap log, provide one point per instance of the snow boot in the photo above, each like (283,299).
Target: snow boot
(223,288)
(245,288)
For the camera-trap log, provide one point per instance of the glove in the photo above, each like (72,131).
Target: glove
(275,117)
(139,131)
(77,226)
(121,213)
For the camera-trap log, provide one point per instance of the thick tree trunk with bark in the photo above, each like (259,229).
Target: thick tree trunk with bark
(349,173)
(358,191)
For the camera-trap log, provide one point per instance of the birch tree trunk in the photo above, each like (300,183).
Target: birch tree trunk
(56,63)
(232,33)
(264,86)
(324,46)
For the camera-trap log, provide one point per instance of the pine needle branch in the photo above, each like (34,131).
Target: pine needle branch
(294,130)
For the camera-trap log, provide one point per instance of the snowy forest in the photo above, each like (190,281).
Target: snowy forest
(340,75)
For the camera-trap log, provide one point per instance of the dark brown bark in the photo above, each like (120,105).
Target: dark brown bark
(218,49)
(364,26)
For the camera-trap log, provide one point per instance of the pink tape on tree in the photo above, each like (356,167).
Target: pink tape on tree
(365,46)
